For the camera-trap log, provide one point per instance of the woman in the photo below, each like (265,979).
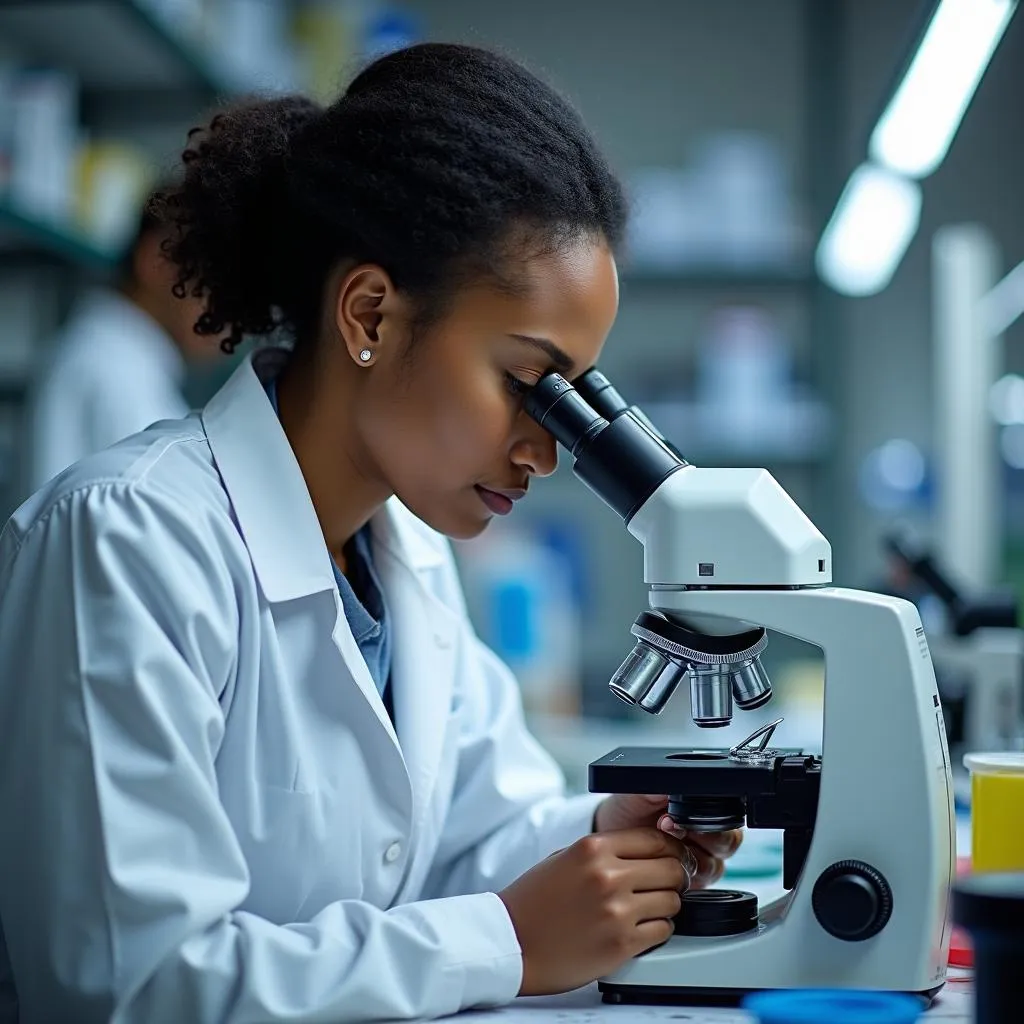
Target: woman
(260,765)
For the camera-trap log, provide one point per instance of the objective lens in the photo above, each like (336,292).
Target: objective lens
(711,695)
(751,687)
(647,678)
(637,674)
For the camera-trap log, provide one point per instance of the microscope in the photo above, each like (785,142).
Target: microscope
(979,655)
(868,827)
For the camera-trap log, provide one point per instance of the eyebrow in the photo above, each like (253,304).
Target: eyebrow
(563,362)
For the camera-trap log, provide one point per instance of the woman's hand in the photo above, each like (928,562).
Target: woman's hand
(639,810)
(586,910)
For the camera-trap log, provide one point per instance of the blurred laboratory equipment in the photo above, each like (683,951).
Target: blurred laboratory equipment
(747,400)
(118,364)
(896,477)
(52,172)
(731,208)
(520,591)
(968,359)
(990,907)
(997,810)
(976,644)
(835,1006)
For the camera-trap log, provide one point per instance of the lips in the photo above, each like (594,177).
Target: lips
(500,501)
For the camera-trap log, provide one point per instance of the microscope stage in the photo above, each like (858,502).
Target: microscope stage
(698,771)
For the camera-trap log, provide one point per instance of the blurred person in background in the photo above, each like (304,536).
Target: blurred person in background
(119,362)
(260,766)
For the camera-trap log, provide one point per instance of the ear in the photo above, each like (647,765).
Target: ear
(368,313)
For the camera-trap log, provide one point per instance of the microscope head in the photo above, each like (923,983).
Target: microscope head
(701,529)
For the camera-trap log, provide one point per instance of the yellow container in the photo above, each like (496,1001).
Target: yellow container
(997,811)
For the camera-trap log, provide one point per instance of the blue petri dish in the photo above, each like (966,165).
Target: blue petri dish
(834,1006)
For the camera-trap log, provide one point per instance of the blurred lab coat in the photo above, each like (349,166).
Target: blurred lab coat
(114,371)
(216,818)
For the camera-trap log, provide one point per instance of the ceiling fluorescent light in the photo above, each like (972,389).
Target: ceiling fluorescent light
(869,232)
(917,128)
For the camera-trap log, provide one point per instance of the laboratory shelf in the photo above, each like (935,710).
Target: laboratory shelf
(111,45)
(21,232)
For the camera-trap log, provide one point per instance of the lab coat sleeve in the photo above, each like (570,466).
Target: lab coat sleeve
(509,808)
(121,877)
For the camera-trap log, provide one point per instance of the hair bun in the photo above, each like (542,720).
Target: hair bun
(230,213)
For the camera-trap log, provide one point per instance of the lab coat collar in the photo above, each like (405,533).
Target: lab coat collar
(267,489)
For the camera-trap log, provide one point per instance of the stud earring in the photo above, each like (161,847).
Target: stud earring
(365,355)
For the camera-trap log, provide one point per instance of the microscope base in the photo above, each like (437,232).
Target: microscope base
(669,995)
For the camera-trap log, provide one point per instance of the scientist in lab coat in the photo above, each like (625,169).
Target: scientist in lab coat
(254,763)
(119,362)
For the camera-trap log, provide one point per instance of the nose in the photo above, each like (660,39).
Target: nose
(533,448)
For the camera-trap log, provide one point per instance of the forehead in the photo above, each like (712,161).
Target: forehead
(569,296)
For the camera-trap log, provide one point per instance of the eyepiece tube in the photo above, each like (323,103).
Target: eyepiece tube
(600,394)
(621,461)
(556,405)
(604,398)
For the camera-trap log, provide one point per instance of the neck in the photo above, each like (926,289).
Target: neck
(147,302)
(344,490)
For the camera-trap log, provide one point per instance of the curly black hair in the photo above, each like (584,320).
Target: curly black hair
(427,165)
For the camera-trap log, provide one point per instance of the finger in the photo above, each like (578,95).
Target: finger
(718,844)
(664,873)
(638,843)
(654,906)
(709,869)
(671,826)
(654,799)
(649,934)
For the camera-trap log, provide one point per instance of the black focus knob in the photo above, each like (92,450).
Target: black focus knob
(852,900)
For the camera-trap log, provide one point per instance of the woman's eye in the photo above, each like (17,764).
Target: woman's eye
(516,386)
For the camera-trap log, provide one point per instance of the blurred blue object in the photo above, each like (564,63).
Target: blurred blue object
(896,477)
(513,618)
(834,1006)
(389,30)
(566,539)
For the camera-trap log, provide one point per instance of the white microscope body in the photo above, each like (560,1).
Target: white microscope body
(885,797)
(728,555)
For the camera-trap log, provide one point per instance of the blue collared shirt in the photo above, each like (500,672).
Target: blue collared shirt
(362,597)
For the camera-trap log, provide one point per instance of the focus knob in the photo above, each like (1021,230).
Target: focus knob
(852,900)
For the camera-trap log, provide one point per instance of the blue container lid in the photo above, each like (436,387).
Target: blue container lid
(833,1006)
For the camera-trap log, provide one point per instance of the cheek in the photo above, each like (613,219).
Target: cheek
(475,431)
(449,444)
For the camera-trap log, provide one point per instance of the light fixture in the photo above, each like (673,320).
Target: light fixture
(915,132)
(871,227)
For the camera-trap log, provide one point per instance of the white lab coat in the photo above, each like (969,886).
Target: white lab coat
(208,814)
(112,373)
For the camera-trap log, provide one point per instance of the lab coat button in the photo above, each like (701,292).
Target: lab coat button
(442,641)
(393,852)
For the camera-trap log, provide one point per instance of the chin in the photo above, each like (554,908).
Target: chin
(459,527)
(455,522)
